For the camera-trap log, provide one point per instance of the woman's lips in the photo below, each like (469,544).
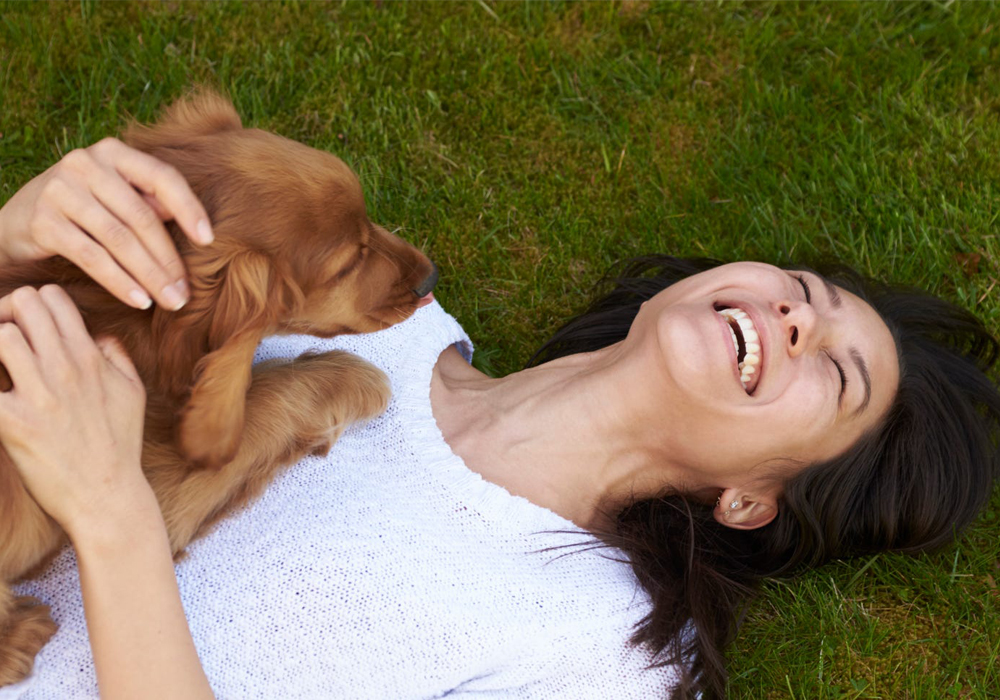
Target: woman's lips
(730,350)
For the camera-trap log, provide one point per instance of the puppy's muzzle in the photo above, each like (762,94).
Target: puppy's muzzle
(427,286)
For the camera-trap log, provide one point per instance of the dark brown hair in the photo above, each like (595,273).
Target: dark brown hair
(909,485)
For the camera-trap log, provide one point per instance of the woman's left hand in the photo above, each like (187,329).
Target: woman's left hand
(73,421)
(103,208)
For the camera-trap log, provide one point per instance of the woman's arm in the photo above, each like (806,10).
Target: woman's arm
(138,633)
(103,208)
(72,423)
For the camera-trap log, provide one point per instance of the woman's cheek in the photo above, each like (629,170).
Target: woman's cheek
(694,356)
(808,418)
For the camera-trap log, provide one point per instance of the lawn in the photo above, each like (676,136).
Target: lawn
(527,146)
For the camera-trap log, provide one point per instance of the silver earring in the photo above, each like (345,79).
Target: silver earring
(734,505)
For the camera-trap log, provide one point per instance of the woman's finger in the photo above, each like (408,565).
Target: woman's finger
(157,207)
(118,218)
(65,317)
(161,181)
(116,356)
(31,314)
(75,245)
(16,356)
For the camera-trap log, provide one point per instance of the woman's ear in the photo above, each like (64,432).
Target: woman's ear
(743,509)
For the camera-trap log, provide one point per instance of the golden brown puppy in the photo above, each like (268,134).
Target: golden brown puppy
(294,252)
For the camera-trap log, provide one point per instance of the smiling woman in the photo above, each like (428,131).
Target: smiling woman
(870,426)
(438,526)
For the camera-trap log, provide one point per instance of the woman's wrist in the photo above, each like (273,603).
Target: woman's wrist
(124,517)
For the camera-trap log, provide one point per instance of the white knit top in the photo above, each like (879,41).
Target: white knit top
(386,569)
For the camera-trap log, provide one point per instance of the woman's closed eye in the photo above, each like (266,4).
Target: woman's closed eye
(840,367)
(805,288)
(843,378)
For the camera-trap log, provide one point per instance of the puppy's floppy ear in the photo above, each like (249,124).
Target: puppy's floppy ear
(201,112)
(249,296)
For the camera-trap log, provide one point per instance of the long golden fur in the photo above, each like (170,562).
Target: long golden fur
(294,252)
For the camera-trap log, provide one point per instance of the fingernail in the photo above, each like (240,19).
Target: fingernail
(140,299)
(205,232)
(173,297)
(182,288)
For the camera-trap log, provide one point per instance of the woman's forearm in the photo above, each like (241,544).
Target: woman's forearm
(140,638)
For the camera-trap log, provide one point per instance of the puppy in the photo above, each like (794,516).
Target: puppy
(294,252)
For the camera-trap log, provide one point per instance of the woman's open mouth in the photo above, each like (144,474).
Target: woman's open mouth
(747,345)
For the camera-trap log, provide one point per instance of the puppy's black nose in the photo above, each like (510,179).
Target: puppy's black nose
(427,285)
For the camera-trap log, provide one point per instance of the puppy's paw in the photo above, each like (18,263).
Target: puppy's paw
(208,436)
(22,635)
(345,389)
(322,446)
(310,400)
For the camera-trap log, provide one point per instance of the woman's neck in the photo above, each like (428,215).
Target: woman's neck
(564,435)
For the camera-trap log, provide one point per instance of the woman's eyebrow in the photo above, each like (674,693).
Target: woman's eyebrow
(831,291)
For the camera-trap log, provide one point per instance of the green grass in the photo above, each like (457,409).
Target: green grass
(526,146)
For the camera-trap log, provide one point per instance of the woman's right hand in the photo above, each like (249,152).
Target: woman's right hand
(103,208)
(72,423)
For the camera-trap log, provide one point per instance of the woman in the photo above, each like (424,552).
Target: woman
(717,424)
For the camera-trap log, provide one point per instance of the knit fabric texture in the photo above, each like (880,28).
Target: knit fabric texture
(387,569)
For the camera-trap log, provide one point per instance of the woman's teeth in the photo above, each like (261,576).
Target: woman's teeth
(747,356)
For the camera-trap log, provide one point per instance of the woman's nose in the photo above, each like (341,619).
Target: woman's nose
(801,325)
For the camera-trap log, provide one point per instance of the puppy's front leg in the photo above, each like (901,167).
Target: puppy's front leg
(292,409)
(212,422)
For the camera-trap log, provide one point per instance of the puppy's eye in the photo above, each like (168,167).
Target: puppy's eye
(358,259)
(362,255)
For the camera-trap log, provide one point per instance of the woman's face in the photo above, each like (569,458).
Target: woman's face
(819,368)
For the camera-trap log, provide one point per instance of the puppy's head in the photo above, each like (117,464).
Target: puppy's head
(294,249)
(294,252)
